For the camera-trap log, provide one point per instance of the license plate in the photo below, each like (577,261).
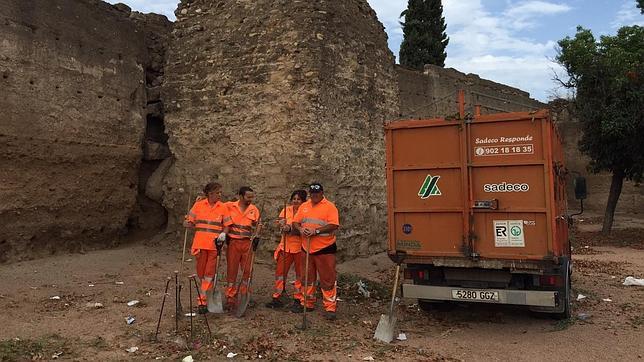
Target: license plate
(483,295)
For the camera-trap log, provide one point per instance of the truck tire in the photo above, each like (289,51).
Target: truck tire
(566,293)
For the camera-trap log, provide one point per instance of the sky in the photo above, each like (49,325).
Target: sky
(507,41)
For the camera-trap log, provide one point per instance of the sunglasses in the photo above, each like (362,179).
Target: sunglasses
(315,187)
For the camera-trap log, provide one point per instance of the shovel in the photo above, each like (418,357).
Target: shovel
(387,325)
(213,295)
(245,298)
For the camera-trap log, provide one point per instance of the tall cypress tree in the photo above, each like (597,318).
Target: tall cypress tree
(424,40)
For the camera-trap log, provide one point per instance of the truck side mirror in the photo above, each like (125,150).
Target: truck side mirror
(580,188)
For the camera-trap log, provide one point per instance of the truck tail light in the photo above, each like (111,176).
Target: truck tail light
(551,280)
(416,274)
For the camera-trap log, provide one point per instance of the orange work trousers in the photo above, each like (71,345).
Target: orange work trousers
(284,262)
(237,254)
(324,266)
(206,270)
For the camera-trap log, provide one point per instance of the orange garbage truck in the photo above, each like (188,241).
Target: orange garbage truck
(477,210)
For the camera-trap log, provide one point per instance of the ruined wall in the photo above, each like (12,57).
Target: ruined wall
(73,118)
(631,200)
(433,93)
(276,94)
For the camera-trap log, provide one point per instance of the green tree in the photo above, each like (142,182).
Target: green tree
(424,37)
(609,103)
(640,4)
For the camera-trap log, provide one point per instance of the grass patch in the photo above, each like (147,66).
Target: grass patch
(348,284)
(42,348)
(637,321)
(98,343)
(563,324)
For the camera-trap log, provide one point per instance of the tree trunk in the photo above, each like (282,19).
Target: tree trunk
(615,190)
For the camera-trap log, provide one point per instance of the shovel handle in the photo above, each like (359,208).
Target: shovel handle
(393,291)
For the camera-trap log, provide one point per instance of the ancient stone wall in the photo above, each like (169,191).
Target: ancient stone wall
(631,201)
(433,93)
(72,122)
(276,94)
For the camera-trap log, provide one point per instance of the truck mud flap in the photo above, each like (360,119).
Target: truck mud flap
(502,296)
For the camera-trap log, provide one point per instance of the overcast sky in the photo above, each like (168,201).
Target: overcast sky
(507,41)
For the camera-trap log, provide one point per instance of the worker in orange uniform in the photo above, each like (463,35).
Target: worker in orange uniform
(292,255)
(317,220)
(245,217)
(209,217)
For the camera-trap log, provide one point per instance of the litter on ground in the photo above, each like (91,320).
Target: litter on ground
(132,303)
(130,320)
(232,355)
(580,297)
(55,297)
(362,289)
(402,337)
(583,316)
(634,281)
(132,349)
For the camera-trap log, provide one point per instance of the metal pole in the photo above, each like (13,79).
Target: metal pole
(190,311)
(165,293)
(176,301)
(205,318)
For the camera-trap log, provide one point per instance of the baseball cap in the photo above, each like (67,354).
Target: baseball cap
(316,187)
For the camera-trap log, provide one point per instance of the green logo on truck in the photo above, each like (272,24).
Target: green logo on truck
(429,187)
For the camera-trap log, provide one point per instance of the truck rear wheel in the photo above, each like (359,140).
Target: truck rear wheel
(565,293)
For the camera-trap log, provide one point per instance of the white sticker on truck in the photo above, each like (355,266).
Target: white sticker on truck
(508,233)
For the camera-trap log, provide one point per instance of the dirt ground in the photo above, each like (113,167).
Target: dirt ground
(35,326)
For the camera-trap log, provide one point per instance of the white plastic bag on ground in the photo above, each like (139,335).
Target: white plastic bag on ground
(580,297)
(634,281)
(362,288)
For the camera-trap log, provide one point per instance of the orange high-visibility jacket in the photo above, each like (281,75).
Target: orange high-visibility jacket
(243,221)
(209,223)
(314,217)
(293,242)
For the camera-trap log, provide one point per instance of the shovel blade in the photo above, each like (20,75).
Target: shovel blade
(385,329)
(244,299)
(214,302)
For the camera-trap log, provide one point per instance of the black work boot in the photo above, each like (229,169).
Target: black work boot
(330,315)
(299,308)
(275,303)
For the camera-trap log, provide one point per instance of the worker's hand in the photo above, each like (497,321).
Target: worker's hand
(286,228)
(218,244)
(188,224)
(308,232)
(281,222)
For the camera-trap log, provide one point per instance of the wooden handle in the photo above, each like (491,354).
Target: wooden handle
(393,292)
